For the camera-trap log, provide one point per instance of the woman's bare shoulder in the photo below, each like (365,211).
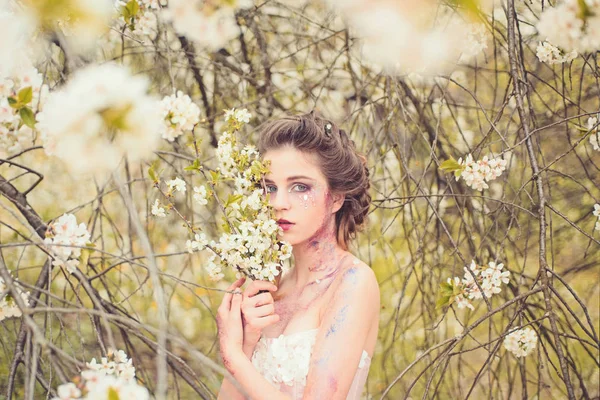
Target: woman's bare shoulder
(357,276)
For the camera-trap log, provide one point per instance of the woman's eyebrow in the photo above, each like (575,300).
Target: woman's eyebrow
(293,178)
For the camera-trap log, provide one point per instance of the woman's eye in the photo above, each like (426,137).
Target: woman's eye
(300,188)
(270,188)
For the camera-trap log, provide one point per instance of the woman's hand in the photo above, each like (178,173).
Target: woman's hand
(229,324)
(258,312)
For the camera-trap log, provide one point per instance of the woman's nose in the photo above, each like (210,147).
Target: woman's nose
(280,201)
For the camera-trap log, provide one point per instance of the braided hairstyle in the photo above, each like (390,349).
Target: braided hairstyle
(344,168)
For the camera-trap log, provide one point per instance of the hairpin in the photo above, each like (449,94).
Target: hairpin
(328,129)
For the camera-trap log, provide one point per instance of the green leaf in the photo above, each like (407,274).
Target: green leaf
(215,177)
(443,301)
(233,199)
(27,117)
(451,165)
(132,8)
(470,6)
(13,102)
(112,394)
(194,167)
(152,173)
(25,95)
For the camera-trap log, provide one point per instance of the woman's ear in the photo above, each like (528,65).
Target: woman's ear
(338,202)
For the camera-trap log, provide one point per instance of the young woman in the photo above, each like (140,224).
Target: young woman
(312,335)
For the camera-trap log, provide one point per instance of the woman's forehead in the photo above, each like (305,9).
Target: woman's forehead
(288,163)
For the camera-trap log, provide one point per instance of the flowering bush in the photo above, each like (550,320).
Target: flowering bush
(112,378)
(475,173)
(521,342)
(490,278)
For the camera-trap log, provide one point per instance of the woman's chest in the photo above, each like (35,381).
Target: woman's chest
(298,313)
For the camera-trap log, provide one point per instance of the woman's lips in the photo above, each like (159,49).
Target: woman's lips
(285,225)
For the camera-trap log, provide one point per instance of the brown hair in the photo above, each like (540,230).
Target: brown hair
(344,168)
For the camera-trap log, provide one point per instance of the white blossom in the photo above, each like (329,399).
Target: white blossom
(595,132)
(199,243)
(176,184)
(476,41)
(68,391)
(158,210)
(102,114)
(200,195)
(596,212)
(63,233)
(180,115)
(15,30)
(521,342)
(115,373)
(206,26)
(14,134)
(550,54)
(8,305)
(476,173)
(567,27)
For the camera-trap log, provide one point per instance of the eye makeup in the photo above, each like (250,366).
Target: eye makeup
(303,194)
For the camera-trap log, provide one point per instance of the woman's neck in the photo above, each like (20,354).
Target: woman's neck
(317,258)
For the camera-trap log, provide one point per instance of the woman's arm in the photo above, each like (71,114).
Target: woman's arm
(346,323)
(237,362)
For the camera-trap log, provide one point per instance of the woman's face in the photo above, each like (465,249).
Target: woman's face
(299,193)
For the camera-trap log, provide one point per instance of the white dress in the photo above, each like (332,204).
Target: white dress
(284,362)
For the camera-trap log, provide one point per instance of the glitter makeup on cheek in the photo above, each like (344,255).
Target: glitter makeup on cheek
(306,198)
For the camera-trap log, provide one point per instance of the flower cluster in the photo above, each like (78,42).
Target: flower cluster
(204,22)
(573,25)
(521,342)
(461,291)
(476,173)
(597,214)
(8,306)
(253,251)
(249,243)
(112,378)
(550,54)
(180,115)
(63,233)
(20,95)
(102,114)
(139,15)
(592,125)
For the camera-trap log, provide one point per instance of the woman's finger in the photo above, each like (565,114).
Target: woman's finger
(258,312)
(226,303)
(262,299)
(257,286)
(263,322)
(236,307)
